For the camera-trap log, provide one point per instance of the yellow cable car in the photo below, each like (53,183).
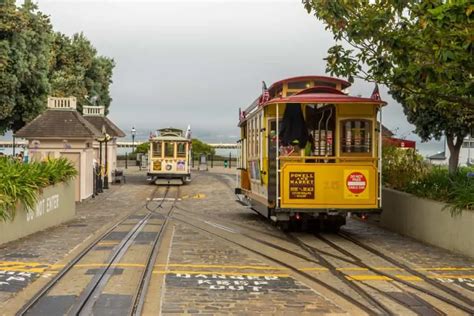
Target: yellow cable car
(169,157)
(319,160)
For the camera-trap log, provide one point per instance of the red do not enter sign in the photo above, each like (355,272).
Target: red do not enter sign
(356,182)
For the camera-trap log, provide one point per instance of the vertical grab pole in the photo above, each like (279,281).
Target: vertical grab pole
(239,164)
(277,157)
(380,159)
(260,142)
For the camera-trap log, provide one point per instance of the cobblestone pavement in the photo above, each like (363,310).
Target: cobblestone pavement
(26,259)
(210,199)
(219,257)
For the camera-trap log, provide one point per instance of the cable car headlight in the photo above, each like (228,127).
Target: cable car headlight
(168,167)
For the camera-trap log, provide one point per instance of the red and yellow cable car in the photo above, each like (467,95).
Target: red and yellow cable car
(309,151)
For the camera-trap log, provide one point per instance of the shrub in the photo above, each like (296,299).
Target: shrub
(20,183)
(457,189)
(405,170)
(401,167)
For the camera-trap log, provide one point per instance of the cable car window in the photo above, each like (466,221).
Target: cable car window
(356,136)
(299,85)
(325,84)
(169,150)
(181,149)
(156,147)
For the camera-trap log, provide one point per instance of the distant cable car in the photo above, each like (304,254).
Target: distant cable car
(309,151)
(169,156)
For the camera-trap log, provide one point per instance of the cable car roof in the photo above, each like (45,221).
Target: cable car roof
(344,84)
(334,98)
(170,138)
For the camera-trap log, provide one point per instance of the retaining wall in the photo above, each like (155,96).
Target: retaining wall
(426,221)
(55,206)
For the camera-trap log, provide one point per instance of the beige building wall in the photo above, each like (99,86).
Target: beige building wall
(82,149)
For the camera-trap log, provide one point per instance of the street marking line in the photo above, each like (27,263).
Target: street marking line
(219,266)
(219,273)
(363,277)
(447,269)
(199,196)
(41,270)
(100,265)
(230,230)
(452,276)
(7,263)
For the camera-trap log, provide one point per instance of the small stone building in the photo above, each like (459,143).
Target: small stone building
(61,131)
(96,116)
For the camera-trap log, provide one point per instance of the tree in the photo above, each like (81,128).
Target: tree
(25,39)
(35,62)
(77,70)
(200,147)
(142,148)
(421,50)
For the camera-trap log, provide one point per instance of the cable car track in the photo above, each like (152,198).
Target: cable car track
(358,262)
(84,303)
(317,254)
(288,266)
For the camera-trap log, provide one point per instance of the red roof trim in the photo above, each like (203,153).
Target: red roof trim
(324,98)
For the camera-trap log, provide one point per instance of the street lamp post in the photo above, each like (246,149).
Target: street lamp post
(99,174)
(133,132)
(105,139)
(106,176)
(13,145)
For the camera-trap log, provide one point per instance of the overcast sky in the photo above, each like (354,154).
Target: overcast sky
(196,62)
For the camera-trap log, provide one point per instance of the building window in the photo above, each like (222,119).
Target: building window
(169,150)
(466,144)
(156,147)
(356,136)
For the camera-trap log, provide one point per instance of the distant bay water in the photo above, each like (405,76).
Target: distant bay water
(425,149)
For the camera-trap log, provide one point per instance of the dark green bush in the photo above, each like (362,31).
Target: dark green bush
(405,170)
(20,183)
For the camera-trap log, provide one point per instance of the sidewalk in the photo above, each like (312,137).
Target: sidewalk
(231,171)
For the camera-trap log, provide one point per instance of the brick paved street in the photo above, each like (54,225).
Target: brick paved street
(216,256)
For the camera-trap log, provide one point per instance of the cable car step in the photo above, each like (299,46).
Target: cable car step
(169,181)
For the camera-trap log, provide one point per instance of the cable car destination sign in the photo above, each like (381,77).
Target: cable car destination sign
(302,185)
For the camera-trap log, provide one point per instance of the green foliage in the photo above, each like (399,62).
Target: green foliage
(401,167)
(456,189)
(405,170)
(199,147)
(77,70)
(25,41)
(142,148)
(422,51)
(35,62)
(20,183)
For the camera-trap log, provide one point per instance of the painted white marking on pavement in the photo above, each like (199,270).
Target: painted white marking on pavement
(221,227)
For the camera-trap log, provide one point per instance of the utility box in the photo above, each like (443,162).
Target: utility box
(203,162)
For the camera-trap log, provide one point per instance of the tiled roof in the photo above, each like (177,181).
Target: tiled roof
(110,127)
(386,132)
(64,124)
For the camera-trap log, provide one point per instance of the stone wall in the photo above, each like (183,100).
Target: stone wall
(428,221)
(55,206)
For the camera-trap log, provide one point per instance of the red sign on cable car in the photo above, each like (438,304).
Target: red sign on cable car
(356,182)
